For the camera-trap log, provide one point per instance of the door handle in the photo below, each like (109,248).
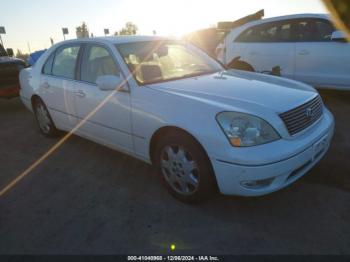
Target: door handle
(304,52)
(80,94)
(45,85)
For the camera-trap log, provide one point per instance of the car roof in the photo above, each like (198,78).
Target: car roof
(286,17)
(240,29)
(117,39)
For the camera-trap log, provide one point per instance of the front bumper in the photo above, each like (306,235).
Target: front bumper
(262,179)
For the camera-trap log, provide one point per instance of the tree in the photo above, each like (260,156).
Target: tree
(129,29)
(82,31)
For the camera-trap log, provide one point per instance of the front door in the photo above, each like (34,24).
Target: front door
(319,60)
(105,115)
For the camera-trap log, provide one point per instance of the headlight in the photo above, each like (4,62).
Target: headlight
(243,130)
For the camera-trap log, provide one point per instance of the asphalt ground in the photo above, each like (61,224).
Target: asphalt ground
(88,199)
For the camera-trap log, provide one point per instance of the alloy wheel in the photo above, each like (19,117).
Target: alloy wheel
(43,118)
(180,170)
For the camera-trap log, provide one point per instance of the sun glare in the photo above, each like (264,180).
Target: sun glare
(174,18)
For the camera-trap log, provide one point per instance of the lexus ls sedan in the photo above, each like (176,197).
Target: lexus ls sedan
(169,104)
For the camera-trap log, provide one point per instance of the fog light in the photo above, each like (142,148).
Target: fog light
(257,184)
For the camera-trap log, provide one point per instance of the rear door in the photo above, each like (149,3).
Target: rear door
(269,45)
(57,83)
(319,60)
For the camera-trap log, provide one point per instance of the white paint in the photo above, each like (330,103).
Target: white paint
(128,120)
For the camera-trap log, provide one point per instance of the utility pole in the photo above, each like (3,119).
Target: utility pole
(65,32)
(29,48)
(2,32)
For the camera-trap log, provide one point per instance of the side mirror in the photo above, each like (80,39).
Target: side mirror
(9,51)
(111,83)
(338,36)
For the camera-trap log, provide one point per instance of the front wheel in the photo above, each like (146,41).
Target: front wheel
(43,119)
(184,168)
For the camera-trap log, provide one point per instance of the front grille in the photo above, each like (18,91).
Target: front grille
(301,117)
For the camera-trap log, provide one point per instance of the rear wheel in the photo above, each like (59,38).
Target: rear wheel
(184,168)
(43,119)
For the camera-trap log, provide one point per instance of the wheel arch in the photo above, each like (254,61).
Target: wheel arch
(173,129)
(163,131)
(237,63)
(33,99)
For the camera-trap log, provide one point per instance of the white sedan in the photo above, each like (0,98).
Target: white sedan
(168,103)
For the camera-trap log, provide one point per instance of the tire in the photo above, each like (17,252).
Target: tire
(184,168)
(43,119)
(240,65)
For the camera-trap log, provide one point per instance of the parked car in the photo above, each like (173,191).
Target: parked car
(9,72)
(207,39)
(169,104)
(33,57)
(304,47)
(211,39)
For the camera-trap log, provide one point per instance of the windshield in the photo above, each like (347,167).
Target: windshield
(2,51)
(160,61)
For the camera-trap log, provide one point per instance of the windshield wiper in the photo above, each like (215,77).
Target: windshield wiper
(181,77)
(199,73)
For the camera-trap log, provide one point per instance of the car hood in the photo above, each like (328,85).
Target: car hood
(7,59)
(238,88)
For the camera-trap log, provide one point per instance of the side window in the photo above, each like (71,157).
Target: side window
(325,30)
(97,61)
(47,68)
(258,34)
(65,62)
(246,36)
(264,33)
(314,30)
(269,33)
(285,32)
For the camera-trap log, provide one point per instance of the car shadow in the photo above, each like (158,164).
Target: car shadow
(11,106)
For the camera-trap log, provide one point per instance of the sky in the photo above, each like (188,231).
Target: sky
(30,23)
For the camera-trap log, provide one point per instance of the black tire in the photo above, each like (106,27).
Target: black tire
(240,65)
(203,172)
(49,130)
